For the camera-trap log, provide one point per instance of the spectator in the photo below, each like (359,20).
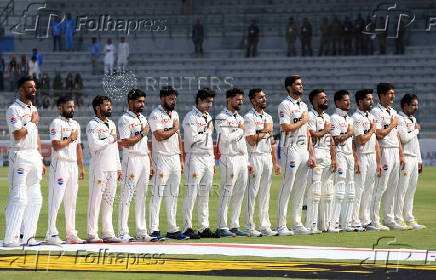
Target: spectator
(24,66)
(34,67)
(38,57)
(58,87)
(252,38)
(324,47)
(45,90)
(306,37)
(13,72)
(2,70)
(78,88)
(69,28)
(109,51)
(381,37)
(123,54)
(69,84)
(197,38)
(348,35)
(291,36)
(336,36)
(95,54)
(56,29)
(358,36)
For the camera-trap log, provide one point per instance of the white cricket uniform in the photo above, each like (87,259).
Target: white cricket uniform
(199,167)
(109,54)
(259,183)
(63,182)
(136,173)
(409,176)
(364,182)
(294,160)
(389,148)
(166,163)
(103,175)
(344,177)
(123,54)
(320,191)
(25,174)
(233,166)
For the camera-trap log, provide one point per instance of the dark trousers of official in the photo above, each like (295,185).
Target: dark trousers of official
(291,48)
(251,47)
(358,44)
(348,44)
(324,47)
(336,46)
(306,43)
(198,47)
(57,42)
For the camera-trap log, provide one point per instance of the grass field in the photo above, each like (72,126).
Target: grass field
(424,210)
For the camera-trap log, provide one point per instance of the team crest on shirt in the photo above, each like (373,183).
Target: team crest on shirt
(13,120)
(385,167)
(161,175)
(194,175)
(292,164)
(340,171)
(332,127)
(20,171)
(254,175)
(405,174)
(132,176)
(60,181)
(99,181)
(282,114)
(232,176)
(52,131)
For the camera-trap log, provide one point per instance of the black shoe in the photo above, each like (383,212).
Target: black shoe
(190,232)
(176,235)
(157,235)
(304,208)
(207,233)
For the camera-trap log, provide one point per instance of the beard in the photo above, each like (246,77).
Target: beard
(68,115)
(29,96)
(169,107)
(323,106)
(139,109)
(296,92)
(106,114)
(236,107)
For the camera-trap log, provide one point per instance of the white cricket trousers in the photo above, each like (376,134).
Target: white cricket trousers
(364,184)
(199,176)
(165,183)
(63,185)
(136,174)
(102,189)
(259,184)
(406,191)
(295,168)
(234,179)
(25,199)
(386,186)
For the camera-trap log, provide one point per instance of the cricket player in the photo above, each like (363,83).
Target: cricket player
(200,164)
(167,156)
(123,54)
(67,154)
(342,131)
(367,162)
(262,155)
(234,165)
(392,159)
(408,130)
(136,167)
(320,191)
(26,168)
(297,156)
(104,170)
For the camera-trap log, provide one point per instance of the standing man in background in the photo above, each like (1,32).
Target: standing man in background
(123,54)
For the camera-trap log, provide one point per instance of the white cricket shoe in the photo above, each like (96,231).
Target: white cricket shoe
(255,233)
(415,225)
(54,240)
(284,231)
(269,232)
(301,230)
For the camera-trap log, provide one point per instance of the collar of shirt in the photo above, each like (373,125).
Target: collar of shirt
(65,119)
(257,114)
(97,119)
(384,108)
(199,113)
(317,114)
(133,115)
(22,104)
(412,118)
(230,113)
(341,113)
(166,112)
(363,113)
(298,103)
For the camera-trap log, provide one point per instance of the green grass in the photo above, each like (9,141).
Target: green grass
(424,210)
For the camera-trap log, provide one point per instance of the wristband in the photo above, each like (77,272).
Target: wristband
(142,134)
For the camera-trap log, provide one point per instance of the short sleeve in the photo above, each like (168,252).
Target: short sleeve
(124,128)
(155,122)
(79,134)
(311,123)
(250,126)
(378,118)
(358,126)
(284,114)
(55,130)
(14,120)
(335,126)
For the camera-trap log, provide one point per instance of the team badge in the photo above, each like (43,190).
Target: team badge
(161,175)
(232,175)
(194,175)
(60,181)
(405,174)
(132,176)
(254,175)
(13,120)
(340,171)
(20,171)
(292,164)
(385,167)
(52,131)
(99,181)
(282,114)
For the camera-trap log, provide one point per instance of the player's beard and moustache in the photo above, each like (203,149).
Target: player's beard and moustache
(67,115)
(106,114)
(169,107)
(261,105)
(324,106)
(139,109)
(236,107)
(29,96)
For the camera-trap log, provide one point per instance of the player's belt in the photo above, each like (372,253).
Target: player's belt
(65,159)
(134,153)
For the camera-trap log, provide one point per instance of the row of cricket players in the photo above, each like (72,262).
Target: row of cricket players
(348,163)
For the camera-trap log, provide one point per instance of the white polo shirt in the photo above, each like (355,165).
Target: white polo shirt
(340,122)
(409,136)
(130,125)
(197,135)
(231,141)
(60,129)
(19,115)
(103,149)
(162,120)
(290,111)
(254,122)
(317,123)
(362,125)
(383,120)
